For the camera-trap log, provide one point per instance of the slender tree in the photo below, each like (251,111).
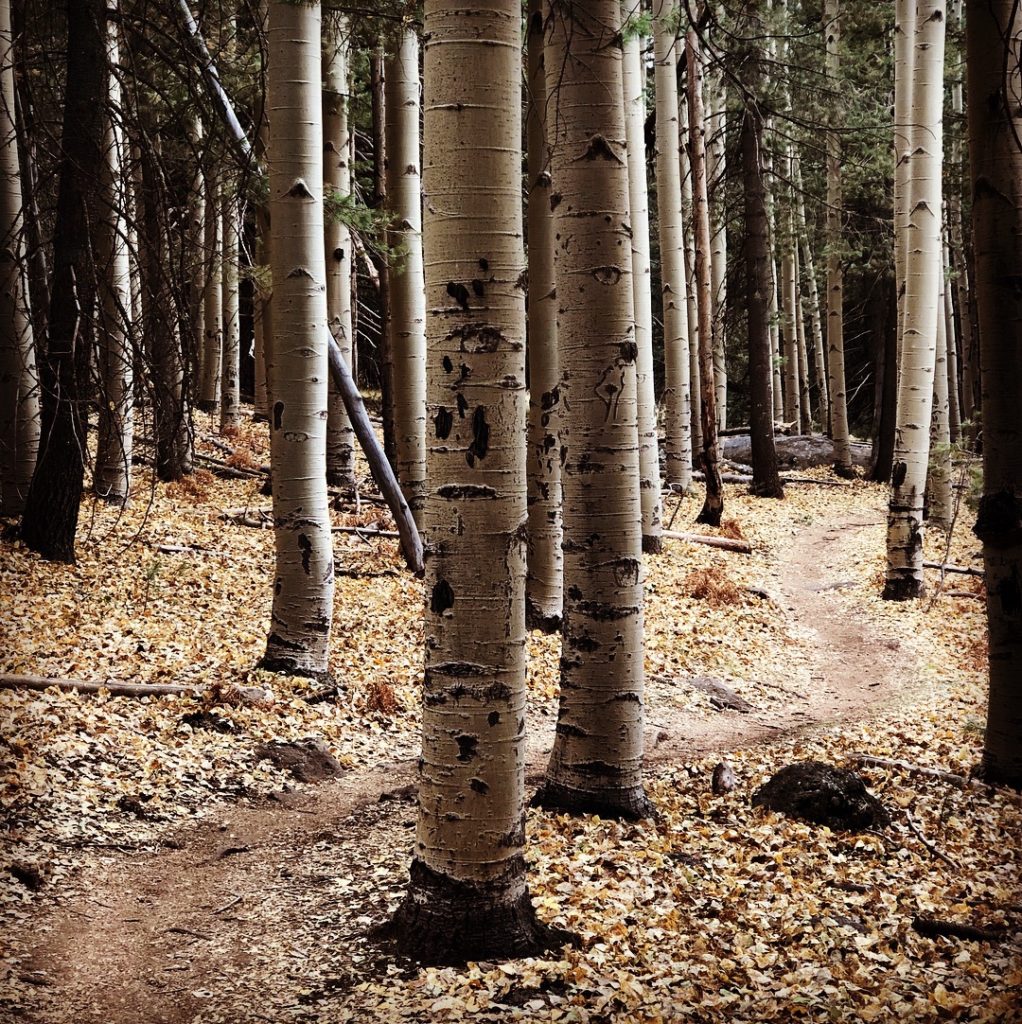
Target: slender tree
(543,585)
(407,298)
(994,59)
(950,330)
(938,478)
(468,895)
(904,577)
(715,131)
(19,392)
(212,297)
(596,762)
(303,588)
(713,506)
(904,128)
(230,378)
(677,390)
(690,285)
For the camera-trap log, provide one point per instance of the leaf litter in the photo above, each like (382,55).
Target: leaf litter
(709,911)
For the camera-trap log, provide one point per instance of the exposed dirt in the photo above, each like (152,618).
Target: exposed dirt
(149,937)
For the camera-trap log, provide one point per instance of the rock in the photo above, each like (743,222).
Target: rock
(723,780)
(822,794)
(722,697)
(801,451)
(28,874)
(308,759)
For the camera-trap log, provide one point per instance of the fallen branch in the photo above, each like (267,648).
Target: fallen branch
(918,832)
(932,927)
(363,531)
(965,593)
(221,468)
(11,681)
(963,570)
(725,543)
(958,781)
(180,549)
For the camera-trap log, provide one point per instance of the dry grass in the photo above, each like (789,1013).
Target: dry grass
(712,585)
(381,699)
(196,485)
(732,528)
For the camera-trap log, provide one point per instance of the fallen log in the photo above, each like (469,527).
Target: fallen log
(932,927)
(12,681)
(221,468)
(962,570)
(724,543)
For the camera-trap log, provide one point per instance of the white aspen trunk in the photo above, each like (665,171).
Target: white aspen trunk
(213,298)
(340,438)
(230,379)
(918,349)
(112,471)
(407,295)
(713,505)
(543,585)
(596,762)
(938,481)
(816,322)
(835,275)
(904,129)
(468,894)
(688,233)
(954,406)
(773,297)
(805,410)
(263,288)
(19,390)
(677,385)
(299,637)
(716,174)
(993,61)
(792,392)
(195,258)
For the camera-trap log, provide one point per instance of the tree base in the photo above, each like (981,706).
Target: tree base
(207,406)
(993,773)
(337,478)
(536,619)
(767,489)
(845,472)
(903,588)
(446,922)
(285,666)
(627,804)
(711,512)
(652,544)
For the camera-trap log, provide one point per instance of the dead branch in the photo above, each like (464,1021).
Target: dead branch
(363,531)
(725,543)
(181,549)
(965,593)
(958,781)
(918,832)
(932,927)
(11,681)
(963,570)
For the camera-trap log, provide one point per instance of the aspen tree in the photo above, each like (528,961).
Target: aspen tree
(596,762)
(212,298)
(19,392)
(340,438)
(195,247)
(805,410)
(994,59)
(716,148)
(904,577)
(112,471)
(688,232)
(792,391)
(677,389)
(262,317)
(407,297)
(950,329)
(773,307)
(299,636)
(468,896)
(904,129)
(835,275)
(938,479)
(713,506)
(543,585)
(230,378)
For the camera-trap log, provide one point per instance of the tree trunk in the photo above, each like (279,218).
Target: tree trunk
(904,85)
(230,379)
(468,896)
(340,440)
(50,518)
(904,577)
(677,390)
(112,472)
(835,274)
(805,409)
(596,763)
(950,331)
(938,479)
(716,173)
(887,383)
(994,84)
(543,585)
(688,231)
(298,642)
(792,390)
(407,298)
(713,506)
(212,298)
(262,318)
(19,386)
(766,481)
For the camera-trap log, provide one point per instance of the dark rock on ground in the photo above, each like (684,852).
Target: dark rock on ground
(722,697)
(308,759)
(799,452)
(822,794)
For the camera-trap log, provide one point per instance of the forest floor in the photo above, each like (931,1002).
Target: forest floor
(153,869)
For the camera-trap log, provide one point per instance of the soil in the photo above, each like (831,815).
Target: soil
(149,937)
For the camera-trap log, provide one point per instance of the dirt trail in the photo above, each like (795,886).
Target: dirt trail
(147,937)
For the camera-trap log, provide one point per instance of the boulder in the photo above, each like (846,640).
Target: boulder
(824,795)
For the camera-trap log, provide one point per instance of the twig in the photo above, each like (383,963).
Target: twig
(929,846)
(227,906)
(176,930)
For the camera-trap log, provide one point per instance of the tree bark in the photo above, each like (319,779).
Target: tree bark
(543,584)
(596,763)
(904,578)
(230,370)
(407,297)
(713,506)
(212,297)
(938,479)
(677,396)
(50,518)
(468,896)
(298,641)
(688,232)
(994,83)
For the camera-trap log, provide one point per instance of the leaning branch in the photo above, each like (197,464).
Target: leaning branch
(10,681)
